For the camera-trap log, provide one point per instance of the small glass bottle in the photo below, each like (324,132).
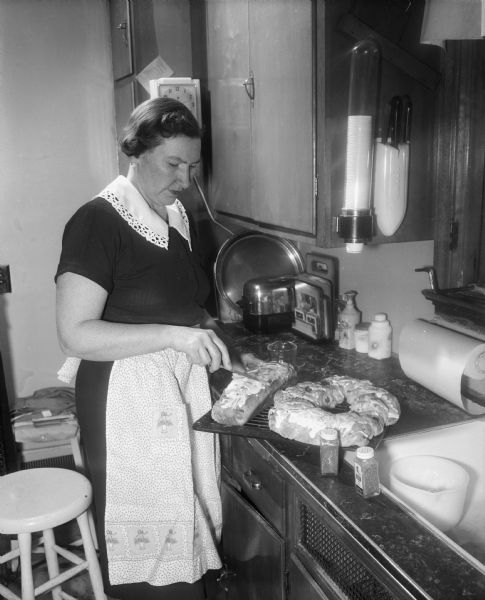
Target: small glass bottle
(380,337)
(329,450)
(366,472)
(349,317)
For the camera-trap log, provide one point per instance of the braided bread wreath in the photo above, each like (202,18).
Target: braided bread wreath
(299,411)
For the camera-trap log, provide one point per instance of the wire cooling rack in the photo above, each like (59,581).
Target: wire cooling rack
(258,427)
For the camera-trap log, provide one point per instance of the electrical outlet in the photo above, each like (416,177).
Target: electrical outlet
(324,266)
(5,282)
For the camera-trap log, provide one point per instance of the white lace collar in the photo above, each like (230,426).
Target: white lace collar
(132,207)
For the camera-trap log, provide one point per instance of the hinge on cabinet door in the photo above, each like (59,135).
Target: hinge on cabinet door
(287,584)
(453,234)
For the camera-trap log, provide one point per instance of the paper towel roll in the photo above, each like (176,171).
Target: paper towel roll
(438,358)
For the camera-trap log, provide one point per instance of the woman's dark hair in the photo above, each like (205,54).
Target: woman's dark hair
(153,121)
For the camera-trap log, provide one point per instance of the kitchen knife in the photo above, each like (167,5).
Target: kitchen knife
(404,148)
(395,117)
(406,119)
(224,376)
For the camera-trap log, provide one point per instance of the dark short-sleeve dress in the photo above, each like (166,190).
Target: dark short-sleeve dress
(145,284)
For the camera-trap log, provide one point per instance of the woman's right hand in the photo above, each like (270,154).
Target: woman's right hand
(203,347)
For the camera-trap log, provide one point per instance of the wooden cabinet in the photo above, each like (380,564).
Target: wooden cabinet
(327,559)
(253,552)
(407,68)
(279,542)
(260,80)
(121,38)
(253,500)
(459,160)
(277,162)
(301,584)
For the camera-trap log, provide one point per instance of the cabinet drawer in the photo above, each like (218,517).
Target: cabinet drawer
(259,482)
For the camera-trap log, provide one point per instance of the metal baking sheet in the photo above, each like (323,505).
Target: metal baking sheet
(249,255)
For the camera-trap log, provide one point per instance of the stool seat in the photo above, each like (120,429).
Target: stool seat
(37,499)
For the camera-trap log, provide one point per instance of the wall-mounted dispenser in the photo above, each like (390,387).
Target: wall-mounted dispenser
(355,223)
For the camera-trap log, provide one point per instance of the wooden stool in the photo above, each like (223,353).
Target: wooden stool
(37,500)
(37,441)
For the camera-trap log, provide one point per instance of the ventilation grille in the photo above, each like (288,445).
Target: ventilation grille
(341,566)
(63,462)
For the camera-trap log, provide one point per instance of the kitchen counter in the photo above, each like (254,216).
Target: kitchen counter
(416,558)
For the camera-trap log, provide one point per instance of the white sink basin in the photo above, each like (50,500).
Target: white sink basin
(463,443)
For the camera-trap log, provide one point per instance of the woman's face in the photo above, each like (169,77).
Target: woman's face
(161,173)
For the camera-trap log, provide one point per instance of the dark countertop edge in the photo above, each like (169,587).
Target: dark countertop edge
(409,576)
(422,410)
(398,574)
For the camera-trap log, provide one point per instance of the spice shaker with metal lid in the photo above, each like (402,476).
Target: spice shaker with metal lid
(329,447)
(366,472)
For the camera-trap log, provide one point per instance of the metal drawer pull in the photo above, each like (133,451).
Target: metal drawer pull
(253,482)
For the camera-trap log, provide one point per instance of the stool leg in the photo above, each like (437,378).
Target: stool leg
(92,527)
(91,557)
(14,564)
(25,546)
(52,561)
(77,453)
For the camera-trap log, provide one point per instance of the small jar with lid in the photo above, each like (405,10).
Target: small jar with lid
(361,335)
(366,472)
(329,451)
(380,337)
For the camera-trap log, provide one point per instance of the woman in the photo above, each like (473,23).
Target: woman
(130,295)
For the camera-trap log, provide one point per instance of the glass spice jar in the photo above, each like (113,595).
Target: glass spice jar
(329,450)
(366,472)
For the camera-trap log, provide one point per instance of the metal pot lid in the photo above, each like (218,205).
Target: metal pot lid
(249,255)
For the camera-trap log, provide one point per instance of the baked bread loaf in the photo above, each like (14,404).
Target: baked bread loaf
(325,396)
(299,411)
(364,397)
(244,395)
(306,424)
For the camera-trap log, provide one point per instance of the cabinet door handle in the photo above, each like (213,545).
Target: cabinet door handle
(249,86)
(252,481)
(123,27)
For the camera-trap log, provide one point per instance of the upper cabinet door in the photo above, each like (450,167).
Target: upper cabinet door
(227,69)
(120,20)
(281,55)
(260,78)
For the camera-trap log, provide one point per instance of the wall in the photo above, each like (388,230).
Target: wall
(58,149)
(58,134)
(384,277)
